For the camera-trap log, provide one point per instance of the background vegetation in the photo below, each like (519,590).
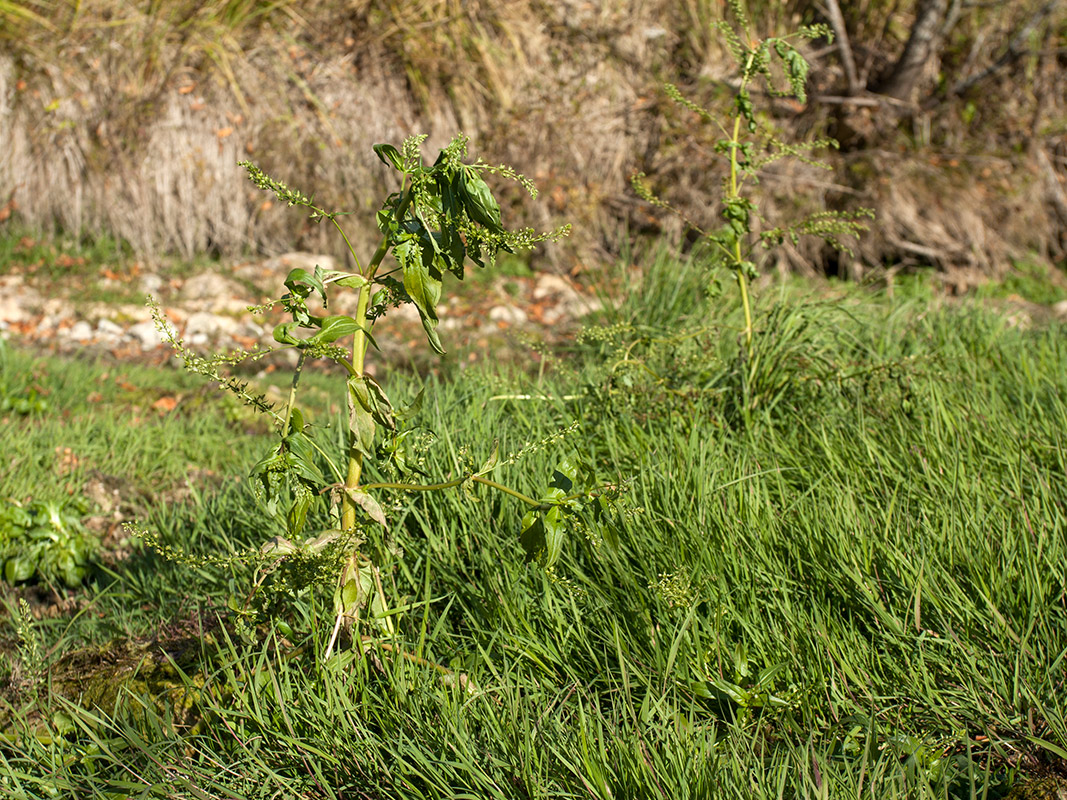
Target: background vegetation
(129,119)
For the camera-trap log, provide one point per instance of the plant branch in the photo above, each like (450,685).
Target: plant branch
(436,487)
(844,49)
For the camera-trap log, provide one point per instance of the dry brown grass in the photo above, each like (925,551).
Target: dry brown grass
(131,120)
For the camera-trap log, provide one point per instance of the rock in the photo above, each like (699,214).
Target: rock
(549,285)
(569,302)
(210,291)
(146,334)
(252,330)
(109,332)
(49,323)
(1060,309)
(507,314)
(18,302)
(201,327)
(301,260)
(151,283)
(80,331)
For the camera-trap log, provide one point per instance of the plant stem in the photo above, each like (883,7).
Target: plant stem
(360,342)
(291,403)
(742,281)
(433,487)
(735,192)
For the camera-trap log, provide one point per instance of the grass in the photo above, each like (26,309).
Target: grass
(846,579)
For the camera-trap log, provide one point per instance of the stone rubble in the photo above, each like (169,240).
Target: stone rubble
(209,311)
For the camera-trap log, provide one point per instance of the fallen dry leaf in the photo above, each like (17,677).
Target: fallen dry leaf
(165,404)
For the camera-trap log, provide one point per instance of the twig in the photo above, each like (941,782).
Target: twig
(844,49)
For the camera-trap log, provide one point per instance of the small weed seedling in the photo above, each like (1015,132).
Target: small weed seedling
(749,145)
(443,216)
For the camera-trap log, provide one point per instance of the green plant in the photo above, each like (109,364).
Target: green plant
(750,144)
(44,540)
(443,216)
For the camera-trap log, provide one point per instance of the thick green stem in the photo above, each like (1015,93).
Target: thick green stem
(735,192)
(360,342)
(739,260)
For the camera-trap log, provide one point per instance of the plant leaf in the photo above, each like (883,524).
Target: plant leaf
(368,504)
(360,421)
(302,283)
(390,156)
(422,282)
(542,536)
(334,328)
(283,333)
(301,456)
(480,203)
(491,462)
(351,280)
(412,408)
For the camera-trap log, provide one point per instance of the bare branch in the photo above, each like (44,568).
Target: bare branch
(837,22)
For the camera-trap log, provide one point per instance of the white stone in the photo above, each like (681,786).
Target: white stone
(49,322)
(297,259)
(14,309)
(208,326)
(151,283)
(549,285)
(146,334)
(509,315)
(80,331)
(210,291)
(109,332)
(250,329)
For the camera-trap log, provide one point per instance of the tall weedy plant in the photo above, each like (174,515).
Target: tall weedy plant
(443,216)
(749,144)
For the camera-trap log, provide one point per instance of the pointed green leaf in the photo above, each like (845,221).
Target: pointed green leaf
(422,281)
(301,456)
(302,283)
(350,596)
(542,536)
(412,408)
(382,410)
(555,527)
(564,475)
(479,201)
(277,546)
(283,333)
(390,156)
(325,538)
(491,462)
(297,515)
(350,280)
(532,537)
(334,328)
(358,386)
